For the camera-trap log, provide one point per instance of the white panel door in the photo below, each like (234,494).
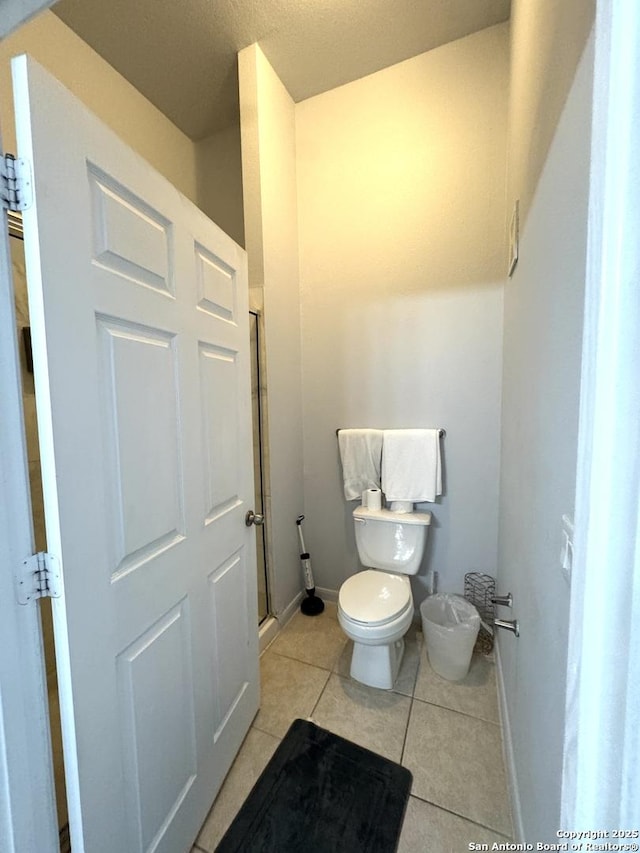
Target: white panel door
(141,350)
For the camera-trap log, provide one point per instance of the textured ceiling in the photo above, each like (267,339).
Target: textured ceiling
(181,54)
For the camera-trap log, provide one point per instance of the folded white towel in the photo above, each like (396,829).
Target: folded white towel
(401,506)
(360,453)
(411,465)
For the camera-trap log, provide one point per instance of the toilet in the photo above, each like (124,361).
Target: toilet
(375,606)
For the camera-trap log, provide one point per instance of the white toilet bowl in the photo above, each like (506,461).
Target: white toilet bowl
(375,607)
(375,610)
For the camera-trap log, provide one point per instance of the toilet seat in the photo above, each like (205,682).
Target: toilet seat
(374,598)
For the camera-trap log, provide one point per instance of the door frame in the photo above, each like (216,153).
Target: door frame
(26,766)
(264,472)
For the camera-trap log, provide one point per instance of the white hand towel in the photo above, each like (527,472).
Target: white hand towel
(360,453)
(411,465)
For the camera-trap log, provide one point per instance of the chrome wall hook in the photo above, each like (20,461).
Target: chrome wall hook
(508,625)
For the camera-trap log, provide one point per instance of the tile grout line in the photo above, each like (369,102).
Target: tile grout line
(455,711)
(464,817)
(412,697)
(298,660)
(332,670)
(461,713)
(406,732)
(265,732)
(324,687)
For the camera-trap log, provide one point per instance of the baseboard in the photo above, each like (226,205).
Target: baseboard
(509,757)
(327,594)
(272,626)
(267,632)
(289,611)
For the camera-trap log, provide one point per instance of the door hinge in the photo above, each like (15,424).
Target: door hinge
(16,186)
(39,577)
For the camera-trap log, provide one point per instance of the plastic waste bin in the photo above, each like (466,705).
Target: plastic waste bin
(450,626)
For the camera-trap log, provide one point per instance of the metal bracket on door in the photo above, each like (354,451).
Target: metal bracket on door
(38,577)
(16,184)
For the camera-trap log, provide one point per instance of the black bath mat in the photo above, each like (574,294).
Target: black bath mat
(321,793)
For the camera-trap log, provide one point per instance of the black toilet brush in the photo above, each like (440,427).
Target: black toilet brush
(312,605)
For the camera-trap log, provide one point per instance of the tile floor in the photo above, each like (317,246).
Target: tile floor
(447,734)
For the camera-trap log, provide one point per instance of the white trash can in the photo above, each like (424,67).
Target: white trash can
(450,626)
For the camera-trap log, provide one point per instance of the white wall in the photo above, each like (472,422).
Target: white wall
(13,13)
(542,350)
(401,183)
(548,37)
(270,206)
(105,92)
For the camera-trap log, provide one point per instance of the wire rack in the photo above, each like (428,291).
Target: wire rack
(479,589)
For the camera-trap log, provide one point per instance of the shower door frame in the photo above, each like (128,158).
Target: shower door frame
(263,473)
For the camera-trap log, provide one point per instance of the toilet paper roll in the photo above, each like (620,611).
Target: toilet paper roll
(374,499)
(364,498)
(401,506)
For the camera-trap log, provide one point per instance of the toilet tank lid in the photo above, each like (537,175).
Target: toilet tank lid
(418,518)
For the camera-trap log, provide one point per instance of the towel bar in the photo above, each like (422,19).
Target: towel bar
(441,432)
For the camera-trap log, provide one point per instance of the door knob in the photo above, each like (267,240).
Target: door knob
(253,518)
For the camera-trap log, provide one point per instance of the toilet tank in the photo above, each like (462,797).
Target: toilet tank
(393,541)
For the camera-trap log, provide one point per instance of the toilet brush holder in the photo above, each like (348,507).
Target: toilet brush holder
(311,605)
